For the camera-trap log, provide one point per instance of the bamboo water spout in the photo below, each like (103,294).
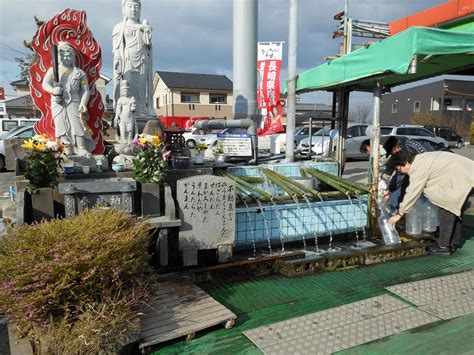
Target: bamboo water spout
(300,186)
(333,184)
(351,185)
(290,190)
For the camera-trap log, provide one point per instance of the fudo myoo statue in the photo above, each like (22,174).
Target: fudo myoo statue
(133,61)
(69,98)
(124,115)
(70,109)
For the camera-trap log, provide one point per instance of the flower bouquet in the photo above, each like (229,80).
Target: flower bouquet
(43,161)
(219,152)
(150,164)
(199,157)
(200,147)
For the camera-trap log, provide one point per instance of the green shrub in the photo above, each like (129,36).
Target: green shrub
(76,284)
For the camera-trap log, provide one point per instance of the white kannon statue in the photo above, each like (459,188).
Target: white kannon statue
(69,98)
(133,61)
(124,115)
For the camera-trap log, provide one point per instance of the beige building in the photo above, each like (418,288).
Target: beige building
(195,95)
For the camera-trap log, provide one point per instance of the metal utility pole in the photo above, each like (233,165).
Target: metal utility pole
(291,98)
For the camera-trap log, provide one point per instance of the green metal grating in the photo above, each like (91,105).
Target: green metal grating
(261,301)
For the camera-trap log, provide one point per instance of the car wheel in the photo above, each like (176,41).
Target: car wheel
(2,163)
(459,145)
(190,143)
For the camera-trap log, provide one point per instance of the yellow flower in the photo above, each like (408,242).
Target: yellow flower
(155,141)
(28,144)
(41,146)
(142,140)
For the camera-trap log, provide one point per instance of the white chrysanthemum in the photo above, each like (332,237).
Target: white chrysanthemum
(52,145)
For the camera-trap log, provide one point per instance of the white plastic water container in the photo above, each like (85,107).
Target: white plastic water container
(413,224)
(429,217)
(389,232)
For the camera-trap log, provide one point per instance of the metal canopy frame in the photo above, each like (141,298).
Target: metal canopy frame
(421,66)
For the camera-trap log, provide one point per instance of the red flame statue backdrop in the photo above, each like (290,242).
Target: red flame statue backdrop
(68,26)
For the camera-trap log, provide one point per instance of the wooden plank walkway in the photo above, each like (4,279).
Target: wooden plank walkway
(181,309)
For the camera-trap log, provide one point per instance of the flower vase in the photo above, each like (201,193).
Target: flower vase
(220,158)
(199,158)
(42,203)
(151,201)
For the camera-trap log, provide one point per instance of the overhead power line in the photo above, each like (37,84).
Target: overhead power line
(13,49)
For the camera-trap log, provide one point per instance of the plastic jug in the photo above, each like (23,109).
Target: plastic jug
(389,233)
(413,219)
(429,217)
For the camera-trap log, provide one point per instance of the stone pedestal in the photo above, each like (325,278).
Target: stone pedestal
(106,193)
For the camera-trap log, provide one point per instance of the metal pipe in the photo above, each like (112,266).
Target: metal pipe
(291,98)
(310,136)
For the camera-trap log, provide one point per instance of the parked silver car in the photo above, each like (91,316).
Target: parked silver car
(413,132)
(321,141)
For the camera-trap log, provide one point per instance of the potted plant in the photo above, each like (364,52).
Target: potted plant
(219,152)
(199,157)
(149,168)
(42,165)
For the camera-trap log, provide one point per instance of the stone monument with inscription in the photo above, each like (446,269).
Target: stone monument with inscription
(207,210)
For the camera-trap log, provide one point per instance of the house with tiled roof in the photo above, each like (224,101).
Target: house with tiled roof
(190,94)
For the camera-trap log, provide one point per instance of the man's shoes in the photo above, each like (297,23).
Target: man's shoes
(435,249)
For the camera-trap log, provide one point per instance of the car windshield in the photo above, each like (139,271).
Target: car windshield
(323,131)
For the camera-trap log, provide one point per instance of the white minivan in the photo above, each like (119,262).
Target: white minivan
(7,124)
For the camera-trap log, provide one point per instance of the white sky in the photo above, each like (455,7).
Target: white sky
(196,35)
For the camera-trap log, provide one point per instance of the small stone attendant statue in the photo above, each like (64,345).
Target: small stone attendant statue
(124,115)
(69,99)
(133,58)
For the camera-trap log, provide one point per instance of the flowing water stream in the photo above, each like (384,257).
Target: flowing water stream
(271,186)
(315,234)
(252,227)
(357,246)
(364,231)
(265,226)
(328,218)
(298,208)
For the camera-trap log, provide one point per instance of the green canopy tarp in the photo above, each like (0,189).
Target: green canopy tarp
(437,52)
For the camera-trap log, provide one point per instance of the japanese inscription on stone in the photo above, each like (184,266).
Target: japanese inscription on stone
(207,209)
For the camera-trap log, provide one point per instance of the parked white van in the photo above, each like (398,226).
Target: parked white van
(7,124)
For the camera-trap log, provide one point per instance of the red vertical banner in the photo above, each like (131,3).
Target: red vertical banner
(2,93)
(268,94)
